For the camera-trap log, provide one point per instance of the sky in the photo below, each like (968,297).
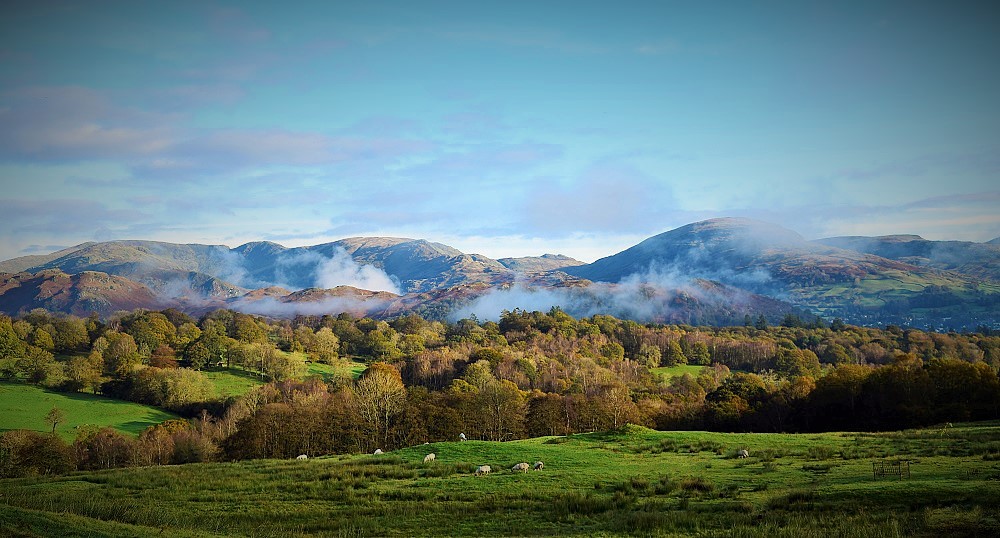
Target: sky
(500,128)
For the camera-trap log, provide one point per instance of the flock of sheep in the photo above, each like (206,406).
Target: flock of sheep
(484,470)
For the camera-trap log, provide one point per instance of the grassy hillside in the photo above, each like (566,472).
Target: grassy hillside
(635,482)
(232,381)
(25,406)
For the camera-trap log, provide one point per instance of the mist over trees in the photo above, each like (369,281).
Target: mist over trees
(528,374)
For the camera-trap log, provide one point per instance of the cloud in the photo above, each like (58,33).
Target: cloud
(270,306)
(651,296)
(60,216)
(484,161)
(55,124)
(609,197)
(342,270)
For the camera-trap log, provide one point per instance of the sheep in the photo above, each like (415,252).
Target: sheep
(538,466)
(302,457)
(429,458)
(520,467)
(378,451)
(461,437)
(743,453)
(483,470)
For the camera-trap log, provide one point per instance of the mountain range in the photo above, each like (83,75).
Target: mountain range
(715,271)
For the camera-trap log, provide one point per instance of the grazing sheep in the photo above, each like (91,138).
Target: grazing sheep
(377,452)
(429,458)
(538,466)
(520,467)
(743,453)
(483,470)
(461,437)
(302,457)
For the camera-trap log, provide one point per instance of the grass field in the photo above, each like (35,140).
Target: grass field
(635,482)
(24,407)
(342,367)
(232,381)
(669,372)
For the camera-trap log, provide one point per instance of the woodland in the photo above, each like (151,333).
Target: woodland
(530,374)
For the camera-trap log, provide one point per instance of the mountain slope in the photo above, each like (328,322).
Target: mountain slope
(978,260)
(24,263)
(78,294)
(539,264)
(765,258)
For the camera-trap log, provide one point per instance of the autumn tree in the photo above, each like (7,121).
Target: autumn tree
(54,417)
(380,396)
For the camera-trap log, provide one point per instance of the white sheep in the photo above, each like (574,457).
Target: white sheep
(538,466)
(520,467)
(429,458)
(377,452)
(302,457)
(461,437)
(743,453)
(483,470)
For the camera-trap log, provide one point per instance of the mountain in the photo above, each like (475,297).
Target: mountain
(768,259)
(22,264)
(78,294)
(712,271)
(978,260)
(539,264)
(167,268)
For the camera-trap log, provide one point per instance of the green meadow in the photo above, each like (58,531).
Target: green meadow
(24,407)
(632,482)
(669,372)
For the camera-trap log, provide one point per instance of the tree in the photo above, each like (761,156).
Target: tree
(502,407)
(122,355)
(674,354)
(324,346)
(54,417)
(700,354)
(380,396)
(649,355)
(86,372)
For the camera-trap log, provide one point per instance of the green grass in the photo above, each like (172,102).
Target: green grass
(635,482)
(339,368)
(24,407)
(669,372)
(232,381)
(235,382)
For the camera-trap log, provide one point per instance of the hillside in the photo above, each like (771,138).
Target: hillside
(539,264)
(977,260)
(770,260)
(25,406)
(634,481)
(78,294)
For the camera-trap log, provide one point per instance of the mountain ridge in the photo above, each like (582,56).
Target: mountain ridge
(762,259)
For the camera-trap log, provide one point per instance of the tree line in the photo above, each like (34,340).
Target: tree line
(529,374)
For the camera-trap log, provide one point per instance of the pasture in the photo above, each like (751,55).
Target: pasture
(24,407)
(632,482)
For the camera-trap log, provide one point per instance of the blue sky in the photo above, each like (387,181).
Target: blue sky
(507,129)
